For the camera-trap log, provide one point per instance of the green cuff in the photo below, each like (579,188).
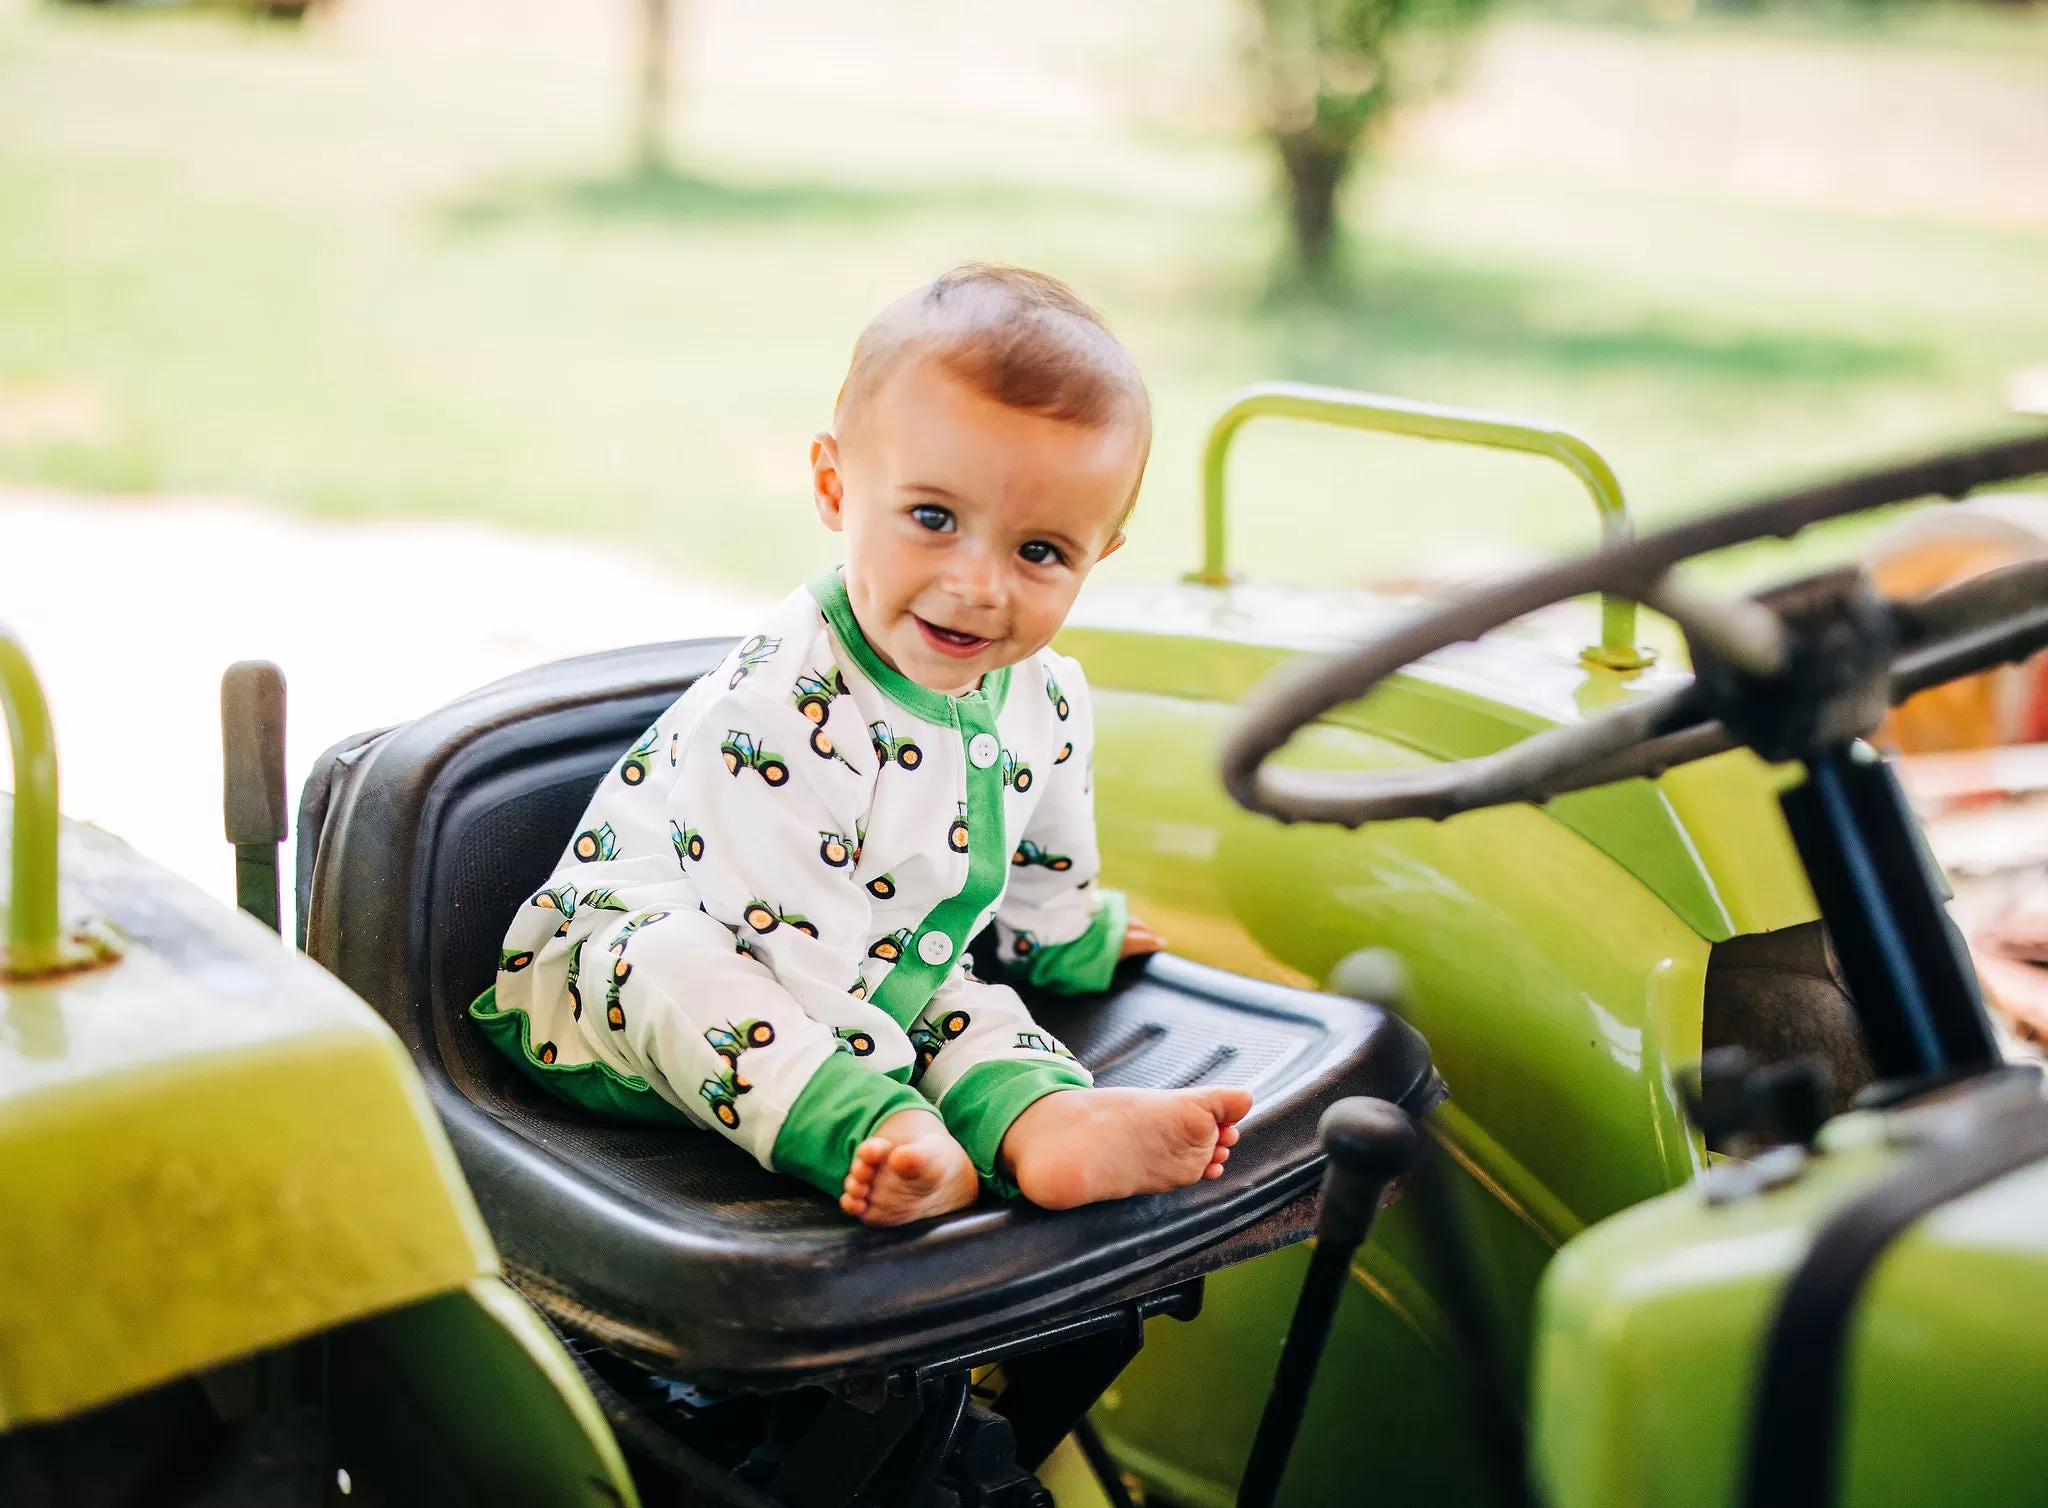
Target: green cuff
(837,1111)
(1083,966)
(596,1087)
(980,1108)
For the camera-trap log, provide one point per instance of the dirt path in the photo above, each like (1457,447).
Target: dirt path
(132,607)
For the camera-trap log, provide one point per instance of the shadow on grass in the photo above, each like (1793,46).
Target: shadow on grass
(670,197)
(1393,308)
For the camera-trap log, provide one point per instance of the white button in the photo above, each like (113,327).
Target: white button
(935,947)
(983,749)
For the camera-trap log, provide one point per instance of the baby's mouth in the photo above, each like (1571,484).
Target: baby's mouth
(950,641)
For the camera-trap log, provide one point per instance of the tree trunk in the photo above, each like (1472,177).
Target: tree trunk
(651,129)
(1315,170)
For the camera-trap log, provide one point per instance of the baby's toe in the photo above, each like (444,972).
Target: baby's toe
(1227,1137)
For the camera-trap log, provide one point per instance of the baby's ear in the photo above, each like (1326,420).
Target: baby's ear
(828,489)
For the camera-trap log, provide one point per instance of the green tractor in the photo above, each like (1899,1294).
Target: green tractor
(741,752)
(889,749)
(1556,979)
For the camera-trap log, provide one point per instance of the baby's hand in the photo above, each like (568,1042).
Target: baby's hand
(1139,938)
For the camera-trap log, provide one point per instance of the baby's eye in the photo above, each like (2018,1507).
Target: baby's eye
(1038,552)
(933,517)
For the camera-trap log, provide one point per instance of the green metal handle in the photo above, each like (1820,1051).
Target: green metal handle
(1428,421)
(34,938)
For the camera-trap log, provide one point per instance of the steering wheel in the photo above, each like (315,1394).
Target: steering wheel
(1992,619)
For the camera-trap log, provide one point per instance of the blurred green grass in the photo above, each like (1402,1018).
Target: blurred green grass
(357,278)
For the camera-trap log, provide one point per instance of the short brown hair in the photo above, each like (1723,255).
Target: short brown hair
(1021,338)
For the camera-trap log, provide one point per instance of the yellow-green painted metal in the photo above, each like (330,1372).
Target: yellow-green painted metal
(1430,421)
(1651,1328)
(206,1149)
(1557,962)
(32,922)
(468,1399)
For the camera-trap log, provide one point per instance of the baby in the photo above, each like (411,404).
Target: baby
(759,925)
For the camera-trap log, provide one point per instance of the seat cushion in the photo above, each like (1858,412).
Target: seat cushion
(671,1243)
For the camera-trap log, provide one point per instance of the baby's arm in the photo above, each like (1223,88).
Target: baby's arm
(1055,928)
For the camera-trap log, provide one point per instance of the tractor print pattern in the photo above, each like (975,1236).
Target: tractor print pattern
(753,654)
(1029,853)
(889,749)
(633,768)
(742,838)
(764,918)
(731,1043)
(562,898)
(928,1037)
(743,752)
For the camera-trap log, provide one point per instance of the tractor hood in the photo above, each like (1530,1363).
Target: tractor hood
(207,1148)
(1706,838)
(1651,1342)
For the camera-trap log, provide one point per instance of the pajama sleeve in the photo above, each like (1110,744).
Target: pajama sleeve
(1055,929)
(768,829)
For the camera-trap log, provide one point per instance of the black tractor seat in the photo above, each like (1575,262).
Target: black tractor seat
(674,1247)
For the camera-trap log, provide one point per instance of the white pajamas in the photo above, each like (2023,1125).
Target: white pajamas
(759,925)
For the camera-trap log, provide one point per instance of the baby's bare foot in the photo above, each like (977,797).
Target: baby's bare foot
(910,1169)
(1079,1146)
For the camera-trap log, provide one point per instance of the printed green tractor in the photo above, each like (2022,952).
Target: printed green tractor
(730,1041)
(574,978)
(511,961)
(722,1095)
(1057,697)
(890,948)
(625,934)
(595,845)
(927,1037)
(815,693)
(764,918)
(633,768)
(604,898)
(889,748)
(1040,1042)
(837,850)
(852,1039)
(1066,753)
(1017,774)
(882,887)
(956,830)
(1029,853)
(750,655)
(560,898)
(614,1011)
(689,843)
(742,753)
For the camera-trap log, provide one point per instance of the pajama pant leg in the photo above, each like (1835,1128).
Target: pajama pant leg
(665,996)
(989,1062)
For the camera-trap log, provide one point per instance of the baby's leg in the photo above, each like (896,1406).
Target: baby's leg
(666,998)
(910,1169)
(1094,1144)
(1023,1109)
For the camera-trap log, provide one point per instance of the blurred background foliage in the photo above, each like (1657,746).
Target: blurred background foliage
(496,259)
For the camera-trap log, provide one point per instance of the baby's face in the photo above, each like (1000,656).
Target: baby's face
(969,526)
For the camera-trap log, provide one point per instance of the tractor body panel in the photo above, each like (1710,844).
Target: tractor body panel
(1652,1333)
(207,1148)
(1555,959)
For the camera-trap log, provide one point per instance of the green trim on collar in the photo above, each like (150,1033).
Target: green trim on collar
(829,589)
(596,1086)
